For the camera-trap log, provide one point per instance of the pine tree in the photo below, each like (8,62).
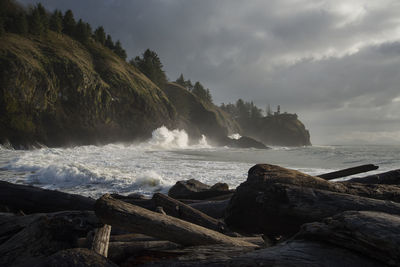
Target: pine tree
(119,50)
(21,24)
(2,28)
(35,24)
(56,20)
(81,32)
(109,42)
(100,35)
(181,80)
(43,17)
(69,23)
(150,64)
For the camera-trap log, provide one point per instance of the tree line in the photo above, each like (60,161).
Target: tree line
(197,89)
(37,21)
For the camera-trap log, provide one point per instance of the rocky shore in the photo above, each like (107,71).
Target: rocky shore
(277,217)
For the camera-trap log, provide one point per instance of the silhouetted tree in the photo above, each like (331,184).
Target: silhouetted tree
(21,23)
(109,42)
(201,92)
(119,50)
(100,35)
(36,26)
(43,17)
(2,29)
(181,80)
(82,32)
(150,64)
(56,21)
(69,23)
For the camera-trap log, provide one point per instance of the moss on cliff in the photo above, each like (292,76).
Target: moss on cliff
(56,91)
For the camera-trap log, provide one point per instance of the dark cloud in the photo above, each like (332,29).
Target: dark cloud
(335,63)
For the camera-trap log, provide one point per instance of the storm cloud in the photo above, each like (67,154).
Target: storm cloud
(334,63)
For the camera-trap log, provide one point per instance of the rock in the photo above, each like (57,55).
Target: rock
(75,257)
(193,189)
(220,187)
(184,188)
(247,142)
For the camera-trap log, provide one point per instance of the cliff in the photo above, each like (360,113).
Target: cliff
(281,130)
(56,91)
(199,117)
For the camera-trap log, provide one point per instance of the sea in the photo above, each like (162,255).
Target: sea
(167,157)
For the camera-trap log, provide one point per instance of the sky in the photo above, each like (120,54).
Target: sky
(334,63)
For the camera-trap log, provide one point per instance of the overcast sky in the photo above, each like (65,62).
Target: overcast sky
(334,63)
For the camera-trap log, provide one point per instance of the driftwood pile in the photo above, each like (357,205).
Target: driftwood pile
(277,217)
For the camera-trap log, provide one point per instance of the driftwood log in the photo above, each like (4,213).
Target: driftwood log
(215,209)
(137,219)
(297,253)
(390,177)
(44,235)
(101,239)
(31,199)
(182,211)
(73,257)
(370,233)
(348,171)
(281,209)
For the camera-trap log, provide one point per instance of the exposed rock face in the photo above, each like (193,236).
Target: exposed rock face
(56,91)
(200,118)
(245,142)
(193,189)
(280,129)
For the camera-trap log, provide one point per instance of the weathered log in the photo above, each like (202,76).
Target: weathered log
(143,202)
(215,209)
(297,253)
(390,177)
(182,211)
(73,257)
(120,251)
(280,209)
(373,234)
(45,235)
(137,219)
(101,239)
(31,199)
(348,171)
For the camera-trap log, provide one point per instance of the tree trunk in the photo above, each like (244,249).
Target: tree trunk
(391,177)
(348,172)
(136,219)
(215,209)
(45,235)
(280,209)
(31,199)
(373,234)
(182,211)
(101,239)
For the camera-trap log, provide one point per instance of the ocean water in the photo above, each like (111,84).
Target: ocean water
(155,165)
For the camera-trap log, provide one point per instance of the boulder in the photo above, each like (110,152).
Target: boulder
(245,142)
(194,189)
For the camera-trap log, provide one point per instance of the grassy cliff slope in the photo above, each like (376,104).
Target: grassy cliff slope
(56,91)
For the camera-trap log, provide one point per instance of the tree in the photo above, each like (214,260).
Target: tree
(21,24)
(151,66)
(109,42)
(43,17)
(56,21)
(36,26)
(69,23)
(81,32)
(119,50)
(181,80)
(2,29)
(100,35)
